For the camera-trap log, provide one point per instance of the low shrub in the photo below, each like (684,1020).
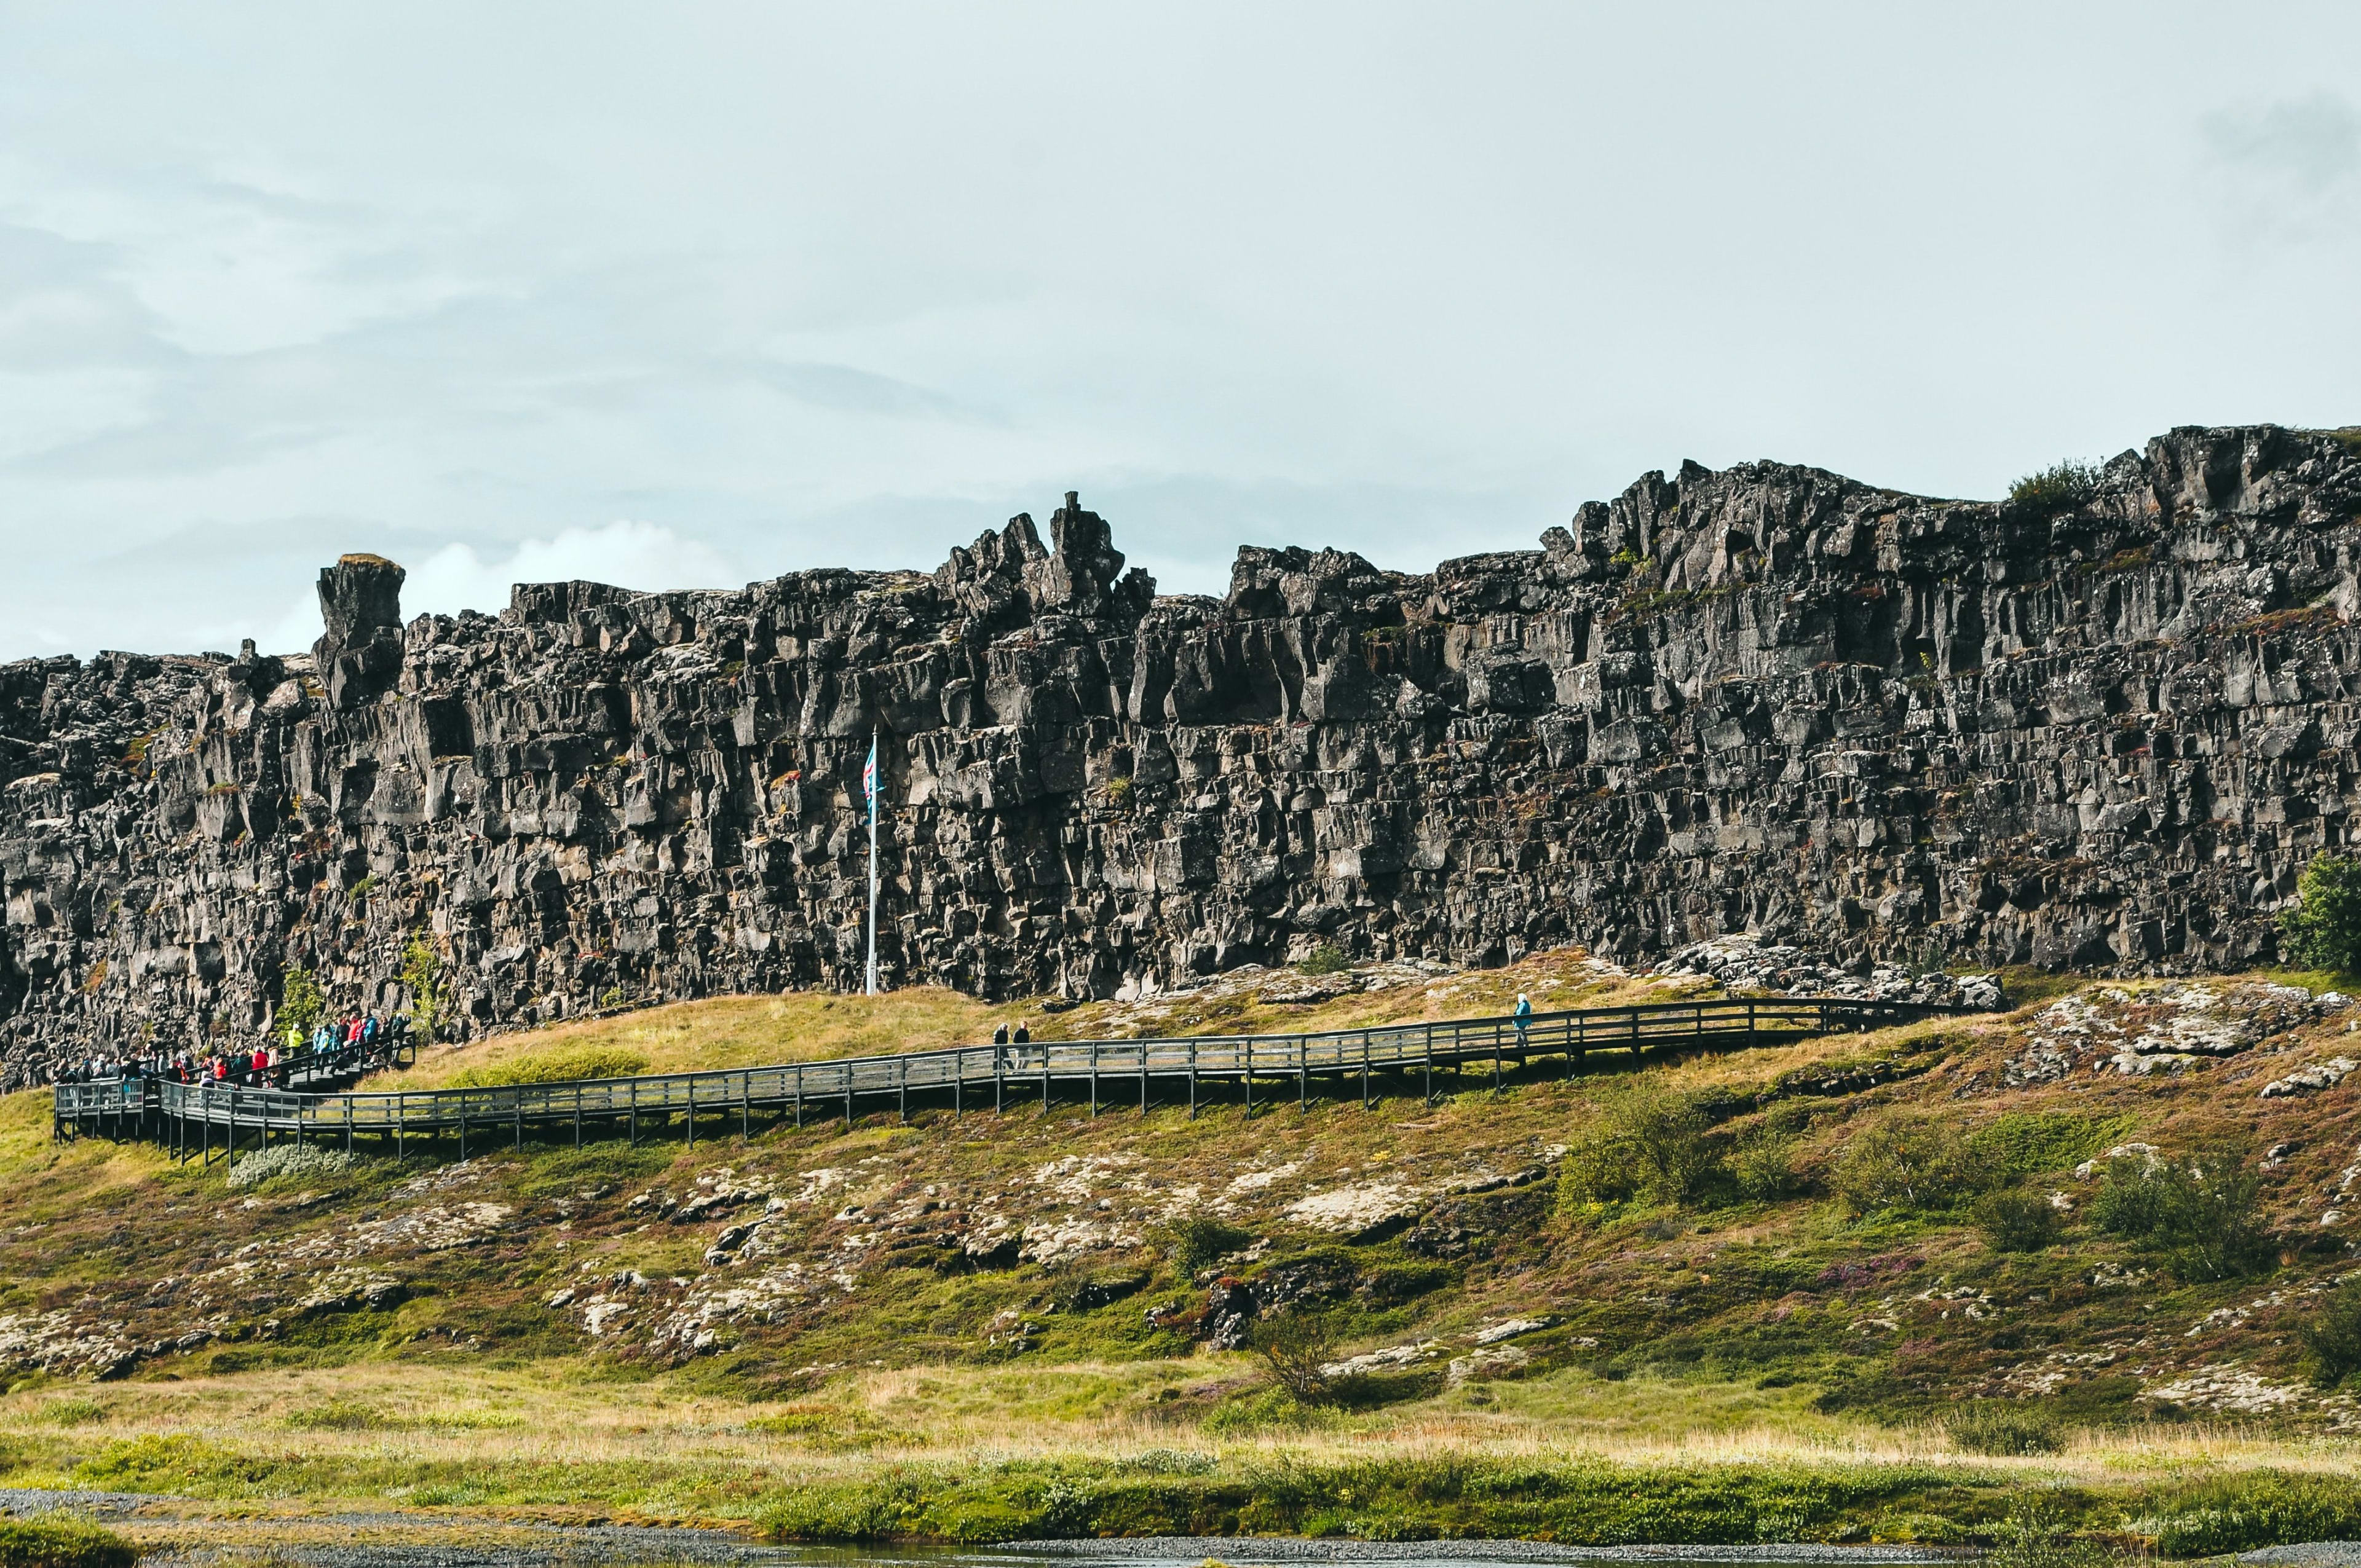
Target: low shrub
(1325,959)
(1295,1346)
(562,1065)
(2239,1513)
(2035,1534)
(2332,1339)
(2203,1210)
(1648,1142)
(1201,1241)
(62,1543)
(1763,1166)
(2061,487)
(2013,1220)
(2004,1427)
(1907,1164)
(307,1162)
(167,1462)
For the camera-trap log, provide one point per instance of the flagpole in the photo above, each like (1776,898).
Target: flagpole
(873,861)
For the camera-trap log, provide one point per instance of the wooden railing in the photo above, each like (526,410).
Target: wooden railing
(187,1116)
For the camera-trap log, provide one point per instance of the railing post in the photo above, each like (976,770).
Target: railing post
(691,1109)
(1193,1081)
(1250,1077)
(1303,1073)
(1143,1078)
(1094,1078)
(1429,1064)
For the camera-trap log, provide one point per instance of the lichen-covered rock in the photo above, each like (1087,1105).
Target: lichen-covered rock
(1905,733)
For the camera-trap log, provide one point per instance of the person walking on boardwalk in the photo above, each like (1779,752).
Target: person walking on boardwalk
(1023,1037)
(1523,1013)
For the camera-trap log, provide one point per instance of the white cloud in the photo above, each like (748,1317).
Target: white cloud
(628,554)
(457,577)
(844,286)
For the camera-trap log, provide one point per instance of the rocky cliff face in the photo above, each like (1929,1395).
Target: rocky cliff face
(2105,730)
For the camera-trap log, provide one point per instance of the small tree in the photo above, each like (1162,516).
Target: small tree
(1906,1163)
(2204,1210)
(1295,1346)
(1649,1143)
(301,1002)
(2323,928)
(2331,1340)
(422,976)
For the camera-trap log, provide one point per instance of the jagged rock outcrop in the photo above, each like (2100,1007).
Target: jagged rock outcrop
(2107,731)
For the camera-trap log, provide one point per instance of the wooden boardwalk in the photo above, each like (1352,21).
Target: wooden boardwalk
(210,1120)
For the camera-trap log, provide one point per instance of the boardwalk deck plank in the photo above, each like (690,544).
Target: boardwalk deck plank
(1341,1060)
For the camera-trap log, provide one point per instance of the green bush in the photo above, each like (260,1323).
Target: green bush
(2035,1534)
(2061,487)
(62,1543)
(1904,1163)
(1764,1167)
(1199,1242)
(2004,1427)
(1648,1142)
(2013,1220)
(2332,1339)
(562,1066)
(301,1002)
(2323,929)
(1326,958)
(422,976)
(2238,1513)
(2203,1211)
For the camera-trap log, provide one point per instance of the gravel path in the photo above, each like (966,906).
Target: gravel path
(2311,1554)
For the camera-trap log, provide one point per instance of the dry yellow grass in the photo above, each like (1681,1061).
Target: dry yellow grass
(749,1031)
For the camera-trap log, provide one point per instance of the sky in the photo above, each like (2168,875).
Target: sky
(693,296)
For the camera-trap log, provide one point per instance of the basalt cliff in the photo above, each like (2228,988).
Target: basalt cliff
(2105,728)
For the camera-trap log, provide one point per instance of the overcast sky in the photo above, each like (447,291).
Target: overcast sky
(692,295)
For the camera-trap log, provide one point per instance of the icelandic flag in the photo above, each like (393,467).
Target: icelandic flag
(869,778)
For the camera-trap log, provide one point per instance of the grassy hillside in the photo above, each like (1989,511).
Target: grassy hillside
(1740,1295)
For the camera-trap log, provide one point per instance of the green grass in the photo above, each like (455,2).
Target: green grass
(1725,1360)
(61,1543)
